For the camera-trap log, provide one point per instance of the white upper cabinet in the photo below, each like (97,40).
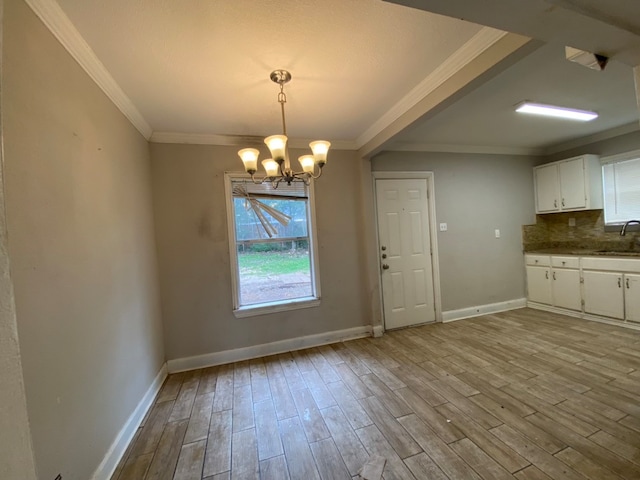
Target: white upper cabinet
(569,185)
(547,188)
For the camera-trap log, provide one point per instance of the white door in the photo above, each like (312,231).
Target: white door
(603,294)
(405,252)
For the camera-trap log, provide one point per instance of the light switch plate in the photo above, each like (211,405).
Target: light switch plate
(497,233)
(443,227)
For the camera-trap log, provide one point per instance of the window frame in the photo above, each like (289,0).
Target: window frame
(608,160)
(242,311)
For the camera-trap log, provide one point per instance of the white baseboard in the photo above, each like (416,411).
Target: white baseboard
(452,315)
(584,316)
(549,308)
(247,353)
(119,446)
(378,330)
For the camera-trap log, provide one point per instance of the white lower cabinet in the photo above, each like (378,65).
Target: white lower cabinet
(632,296)
(565,285)
(539,284)
(602,286)
(554,281)
(603,294)
(612,287)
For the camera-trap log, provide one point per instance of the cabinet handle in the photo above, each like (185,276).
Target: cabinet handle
(555,204)
(627,282)
(554,275)
(563,202)
(619,282)
(546,274)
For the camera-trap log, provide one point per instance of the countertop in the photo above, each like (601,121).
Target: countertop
(584,252)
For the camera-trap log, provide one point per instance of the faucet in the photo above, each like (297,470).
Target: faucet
(623,232)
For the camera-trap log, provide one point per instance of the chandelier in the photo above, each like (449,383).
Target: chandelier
(278,167)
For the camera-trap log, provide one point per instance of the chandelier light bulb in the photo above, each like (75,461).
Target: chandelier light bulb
(271,167)
(307,162)
(277,146)
(249,157)
(320,149)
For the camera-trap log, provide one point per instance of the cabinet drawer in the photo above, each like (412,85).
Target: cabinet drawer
(627,265)
(565,262)
(540,260)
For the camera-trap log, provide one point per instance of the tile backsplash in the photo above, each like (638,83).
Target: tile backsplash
(552,230)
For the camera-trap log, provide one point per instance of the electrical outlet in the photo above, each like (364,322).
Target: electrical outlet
(497,232)
(443,227)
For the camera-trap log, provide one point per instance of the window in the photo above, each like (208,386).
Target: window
(272,245)
(621,181)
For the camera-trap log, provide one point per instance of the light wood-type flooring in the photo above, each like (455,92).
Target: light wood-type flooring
(523,394)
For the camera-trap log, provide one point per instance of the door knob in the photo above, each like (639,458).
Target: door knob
(385,266)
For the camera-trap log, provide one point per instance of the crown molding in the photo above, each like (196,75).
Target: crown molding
(472,149)
(596,137)
(236,140)
(61,27)
(480,42)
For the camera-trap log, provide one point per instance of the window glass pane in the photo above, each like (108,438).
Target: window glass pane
(621,182)
(271,231)
(274,271)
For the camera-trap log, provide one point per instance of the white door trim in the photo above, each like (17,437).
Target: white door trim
(432,226)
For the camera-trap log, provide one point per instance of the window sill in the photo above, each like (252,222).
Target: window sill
(275,307)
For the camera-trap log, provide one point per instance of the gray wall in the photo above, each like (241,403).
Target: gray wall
(16,454)
(474,195)
(193,253)
(81,245)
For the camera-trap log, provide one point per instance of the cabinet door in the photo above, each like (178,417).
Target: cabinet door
(565,286)
(573,194)
(547,188)
(603,294)
(539,284)
(632,297)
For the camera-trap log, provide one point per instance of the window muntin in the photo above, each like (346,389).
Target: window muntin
(273,264)
(621,188)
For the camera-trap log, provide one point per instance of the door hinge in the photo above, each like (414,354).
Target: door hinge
(582,302)
(581,279)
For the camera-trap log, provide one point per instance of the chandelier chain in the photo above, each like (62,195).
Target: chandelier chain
(282,99)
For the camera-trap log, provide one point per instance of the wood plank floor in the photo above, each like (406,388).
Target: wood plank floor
(523,394)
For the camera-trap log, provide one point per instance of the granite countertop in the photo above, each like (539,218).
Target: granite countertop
(585,252)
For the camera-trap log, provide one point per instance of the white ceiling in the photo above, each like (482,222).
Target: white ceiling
(486,119)
(198,70)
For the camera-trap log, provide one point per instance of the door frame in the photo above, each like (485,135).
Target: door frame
(431,208)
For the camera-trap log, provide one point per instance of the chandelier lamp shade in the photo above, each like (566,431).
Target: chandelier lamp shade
(278,167)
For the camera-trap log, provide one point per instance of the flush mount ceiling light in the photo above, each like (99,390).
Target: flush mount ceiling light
(558,112)
(278,168)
